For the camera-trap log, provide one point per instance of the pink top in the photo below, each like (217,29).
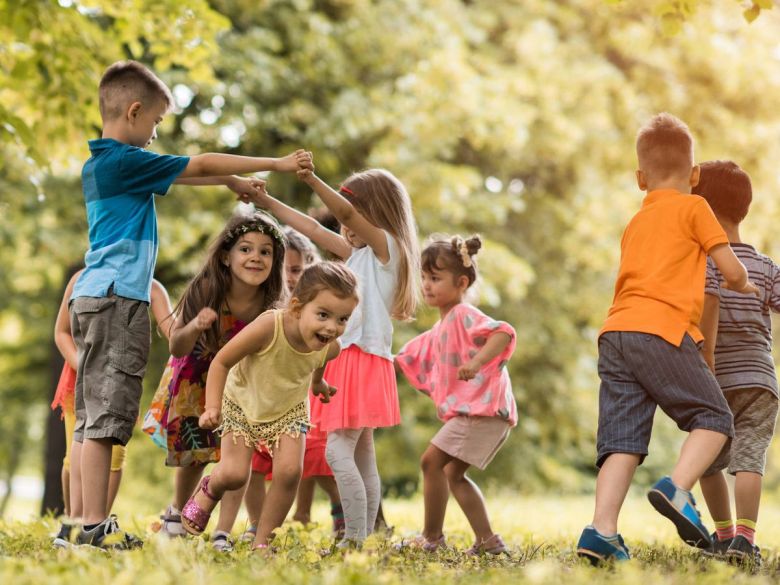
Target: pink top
(430,362)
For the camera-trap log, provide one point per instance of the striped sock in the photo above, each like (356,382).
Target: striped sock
(724,529)
(746,528)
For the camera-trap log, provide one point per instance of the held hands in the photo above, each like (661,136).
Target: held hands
(298,160)
(323,390)
(748,289)
(245,187)
(210,419)
(469,370)
(204,319)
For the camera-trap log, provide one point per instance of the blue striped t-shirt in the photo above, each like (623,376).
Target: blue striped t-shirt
(119,183)
(743,347)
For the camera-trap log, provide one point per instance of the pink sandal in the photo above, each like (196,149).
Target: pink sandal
(194,518)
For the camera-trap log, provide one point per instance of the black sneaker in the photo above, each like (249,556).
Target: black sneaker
(718,548)
(741,552)
(107,535)
(66,537)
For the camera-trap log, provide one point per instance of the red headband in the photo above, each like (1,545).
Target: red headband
(346,191)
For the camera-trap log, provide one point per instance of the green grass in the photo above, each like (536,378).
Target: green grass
(542,533)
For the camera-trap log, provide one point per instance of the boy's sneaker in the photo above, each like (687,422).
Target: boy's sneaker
(220,541)
(600,549)
(741,552)
(679,506)
(718,548)
(109,536)
(66,537)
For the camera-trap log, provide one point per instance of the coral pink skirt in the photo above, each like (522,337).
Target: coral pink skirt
(367,395)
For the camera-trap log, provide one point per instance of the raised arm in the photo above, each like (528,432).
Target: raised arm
(162,309)
(348,216)
(709,328)
(62,334)
(732,269)
(308,226)
(218,165)
(253,338)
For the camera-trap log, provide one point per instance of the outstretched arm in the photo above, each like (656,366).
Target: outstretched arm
(347,215)
(218,165)
(308,226)
(251,339)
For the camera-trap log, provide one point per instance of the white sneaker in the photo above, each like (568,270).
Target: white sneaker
(171,523)
(220,541)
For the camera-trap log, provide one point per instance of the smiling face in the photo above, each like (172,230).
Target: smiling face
(143,121)
(323,319)
(251,258)
(442,289)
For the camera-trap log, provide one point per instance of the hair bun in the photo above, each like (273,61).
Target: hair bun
(473,244)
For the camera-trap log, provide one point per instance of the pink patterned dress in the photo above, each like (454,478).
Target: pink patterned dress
(431,360)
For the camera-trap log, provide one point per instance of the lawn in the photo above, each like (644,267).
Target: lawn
(542,533)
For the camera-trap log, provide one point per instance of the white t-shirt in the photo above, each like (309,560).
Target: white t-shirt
(370,327)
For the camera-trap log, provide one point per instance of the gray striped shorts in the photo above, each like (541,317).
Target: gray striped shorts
(755,412)
(639,372)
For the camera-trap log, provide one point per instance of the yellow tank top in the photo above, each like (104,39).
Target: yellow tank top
(270,382)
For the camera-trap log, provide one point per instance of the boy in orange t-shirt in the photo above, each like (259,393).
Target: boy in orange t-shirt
(649,346)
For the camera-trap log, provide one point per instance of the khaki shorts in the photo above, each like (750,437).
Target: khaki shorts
(472,439)
(755,411)
(112,335)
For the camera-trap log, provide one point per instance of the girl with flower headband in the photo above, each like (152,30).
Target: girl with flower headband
(461,365)
(241,278)
(378,240)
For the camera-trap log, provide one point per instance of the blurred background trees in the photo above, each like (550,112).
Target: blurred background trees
(515,120)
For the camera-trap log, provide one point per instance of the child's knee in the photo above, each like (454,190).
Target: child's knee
(233,477)
(429,462)
(454,475)
(288,476)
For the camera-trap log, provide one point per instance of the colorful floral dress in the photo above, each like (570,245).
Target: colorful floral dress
(172,418)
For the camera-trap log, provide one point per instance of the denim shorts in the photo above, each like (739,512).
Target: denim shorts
(639,372)
(112,335)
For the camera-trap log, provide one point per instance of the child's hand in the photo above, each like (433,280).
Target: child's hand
(748,289)
(245,187)
(300,159)
(204,319)
(210,419)
(305,175)
(469,370)
(260,198)
(323,390)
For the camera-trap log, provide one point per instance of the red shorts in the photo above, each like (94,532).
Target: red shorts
(314,463)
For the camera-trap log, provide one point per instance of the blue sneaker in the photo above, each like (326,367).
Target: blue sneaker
(679,506)
(600,549)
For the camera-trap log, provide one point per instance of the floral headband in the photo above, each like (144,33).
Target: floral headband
(261,228)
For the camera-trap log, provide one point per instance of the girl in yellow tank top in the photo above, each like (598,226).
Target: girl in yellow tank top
(257,391)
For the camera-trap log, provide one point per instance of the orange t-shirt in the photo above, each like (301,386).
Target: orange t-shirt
(660,283)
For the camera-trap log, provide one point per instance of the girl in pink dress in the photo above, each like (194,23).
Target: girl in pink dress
(461,364)
(378,240)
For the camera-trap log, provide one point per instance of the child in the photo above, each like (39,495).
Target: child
(300,254)
(378,239)
(461,364)
(110,327)
(265,400)
(742,361)
(648,353)
(64,399)
(241,278)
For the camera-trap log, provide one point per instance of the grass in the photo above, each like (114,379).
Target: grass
(541,531)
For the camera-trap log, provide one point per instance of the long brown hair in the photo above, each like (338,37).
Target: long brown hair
(382,199)
(211,284)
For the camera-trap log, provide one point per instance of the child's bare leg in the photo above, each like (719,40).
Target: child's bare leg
(95,470)
(114,480)
(435,491)
(747,494)
(185,481)
(303,500)
(329,486)
(231,473)
(254,498)
(76,495)
(470,499)
(697,454)
(716,494)
(229,507)
(66,490)
(287,468)
(612,485)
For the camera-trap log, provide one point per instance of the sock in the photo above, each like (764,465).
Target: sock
(746,528)
(724,529)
